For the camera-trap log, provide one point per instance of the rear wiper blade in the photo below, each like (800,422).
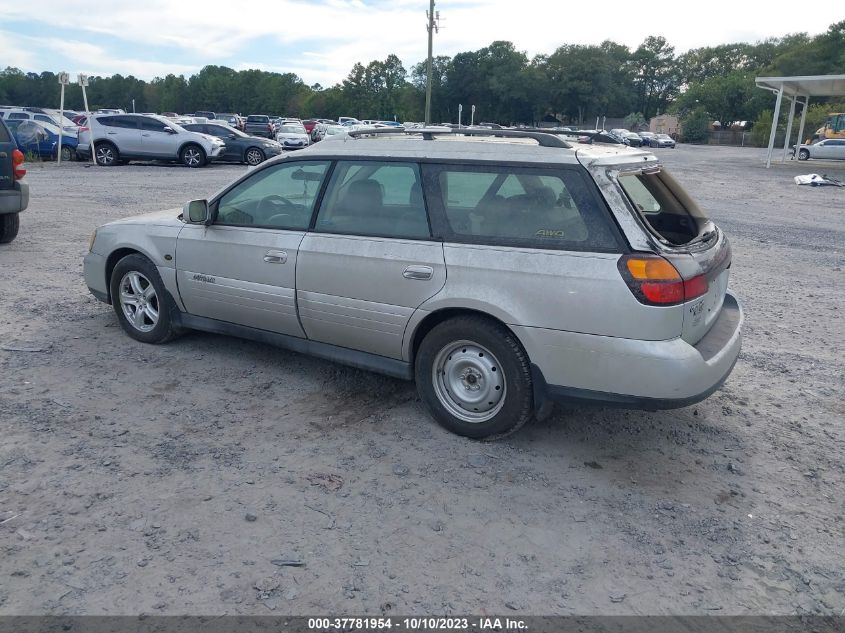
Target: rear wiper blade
(706,235)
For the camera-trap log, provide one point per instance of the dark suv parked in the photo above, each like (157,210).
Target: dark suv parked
(14,194)
(240,147)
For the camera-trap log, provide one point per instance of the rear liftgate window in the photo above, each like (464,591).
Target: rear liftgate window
(664,204)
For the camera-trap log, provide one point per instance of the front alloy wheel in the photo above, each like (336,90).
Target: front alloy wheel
(139,298)
(193,156)
(254,156)
(139,301)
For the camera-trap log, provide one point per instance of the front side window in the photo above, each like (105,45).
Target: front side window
(281,197)
(380,199)
(152,125)
(537,208)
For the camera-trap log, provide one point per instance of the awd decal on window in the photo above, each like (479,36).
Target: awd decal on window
(548,233)
(205,279)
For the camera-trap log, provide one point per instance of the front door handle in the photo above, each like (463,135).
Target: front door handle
(275,257)
(418,272)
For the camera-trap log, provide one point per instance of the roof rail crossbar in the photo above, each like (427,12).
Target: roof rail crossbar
(602,137)
(544,139)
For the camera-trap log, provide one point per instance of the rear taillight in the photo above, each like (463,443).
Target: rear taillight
(655,281)
(17,164)
(83,128)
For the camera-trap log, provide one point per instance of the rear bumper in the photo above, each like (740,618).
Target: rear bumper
(630,373)
(16,199)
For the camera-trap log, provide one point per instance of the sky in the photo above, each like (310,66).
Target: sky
(320,40)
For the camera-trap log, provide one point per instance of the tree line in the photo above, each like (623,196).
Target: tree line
(574,84)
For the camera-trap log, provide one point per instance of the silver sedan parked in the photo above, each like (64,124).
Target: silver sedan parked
(831,148)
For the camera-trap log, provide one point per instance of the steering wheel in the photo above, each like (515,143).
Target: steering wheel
(270,203)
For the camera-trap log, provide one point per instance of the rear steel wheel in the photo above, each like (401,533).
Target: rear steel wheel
(468,381)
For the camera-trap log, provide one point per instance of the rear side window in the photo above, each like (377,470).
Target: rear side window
(18,115)
(664,204)
(379,199)
(529,207)
(118,121)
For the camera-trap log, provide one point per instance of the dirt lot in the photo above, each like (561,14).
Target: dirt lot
(185,478)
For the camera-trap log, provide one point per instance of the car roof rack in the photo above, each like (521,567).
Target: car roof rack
(544,139)
(601,137)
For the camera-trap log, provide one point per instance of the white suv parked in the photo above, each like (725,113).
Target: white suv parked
(119,138)
(499,273)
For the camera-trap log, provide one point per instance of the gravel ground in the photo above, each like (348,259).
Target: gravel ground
(213,475)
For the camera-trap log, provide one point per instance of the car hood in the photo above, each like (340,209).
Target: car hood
(168,217)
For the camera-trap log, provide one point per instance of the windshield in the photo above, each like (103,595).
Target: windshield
(290,129)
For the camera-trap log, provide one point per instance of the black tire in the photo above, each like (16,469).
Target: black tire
(145,329)
(803,154)
(192,155)
(254,156)
(68,154)
(106,154)
(460,343)
(9,225)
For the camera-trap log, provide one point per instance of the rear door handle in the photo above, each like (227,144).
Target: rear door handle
(418,272)
(275,257)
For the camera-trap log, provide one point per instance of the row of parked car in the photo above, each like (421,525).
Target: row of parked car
(118,137)
(640,139)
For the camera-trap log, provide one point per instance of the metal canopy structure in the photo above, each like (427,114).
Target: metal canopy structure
(795,89)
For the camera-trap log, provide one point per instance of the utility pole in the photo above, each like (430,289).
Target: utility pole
(433,27)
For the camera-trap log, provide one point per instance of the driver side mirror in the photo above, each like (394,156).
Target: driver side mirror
(169,129)
(196,212)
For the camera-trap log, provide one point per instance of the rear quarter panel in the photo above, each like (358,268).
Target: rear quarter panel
(561,290)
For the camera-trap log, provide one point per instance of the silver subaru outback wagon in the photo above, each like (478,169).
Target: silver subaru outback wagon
(501,274)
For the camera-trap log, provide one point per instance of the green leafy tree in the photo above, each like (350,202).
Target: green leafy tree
(695,126)
(635,121)
(654,75)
